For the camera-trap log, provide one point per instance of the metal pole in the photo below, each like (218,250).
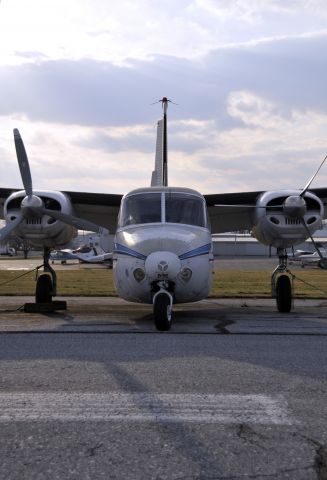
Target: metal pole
(165,147)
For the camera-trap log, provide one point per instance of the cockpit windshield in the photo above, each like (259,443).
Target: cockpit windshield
(160,207)
(141,208)
(184,208)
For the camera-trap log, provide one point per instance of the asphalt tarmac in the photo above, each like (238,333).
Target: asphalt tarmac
(234,391)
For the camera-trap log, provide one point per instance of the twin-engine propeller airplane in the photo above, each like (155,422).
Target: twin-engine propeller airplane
(163,247)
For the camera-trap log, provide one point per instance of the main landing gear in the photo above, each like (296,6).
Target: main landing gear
(46,289)
(46,285)
(281,283)
(162,310)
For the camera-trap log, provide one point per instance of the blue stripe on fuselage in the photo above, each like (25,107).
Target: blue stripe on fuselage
(128,251)
(203,250)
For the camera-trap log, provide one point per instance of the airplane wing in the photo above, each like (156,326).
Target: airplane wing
(235,210)
(98,208)
(229,216)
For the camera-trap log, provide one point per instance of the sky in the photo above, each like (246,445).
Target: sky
(78,79)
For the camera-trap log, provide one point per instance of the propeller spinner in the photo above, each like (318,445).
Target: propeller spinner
(295,206)
(32,205)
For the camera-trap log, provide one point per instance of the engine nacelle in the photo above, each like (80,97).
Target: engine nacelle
(276,221)
(42,230)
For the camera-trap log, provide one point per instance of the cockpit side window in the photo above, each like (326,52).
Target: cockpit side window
(141,208)
(185,208)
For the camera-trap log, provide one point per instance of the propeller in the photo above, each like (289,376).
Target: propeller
(323,260)
(6,231)
(76,222)
(24,167)
(32,205)
(313,177)
(293,206)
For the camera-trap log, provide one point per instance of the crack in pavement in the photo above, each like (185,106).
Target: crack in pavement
(223,322)
(91,451)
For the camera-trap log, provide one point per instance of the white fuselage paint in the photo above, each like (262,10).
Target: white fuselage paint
(163,240)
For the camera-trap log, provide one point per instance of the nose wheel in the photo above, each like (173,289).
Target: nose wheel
(162,310)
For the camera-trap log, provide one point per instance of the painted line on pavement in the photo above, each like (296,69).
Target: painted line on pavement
(143,407)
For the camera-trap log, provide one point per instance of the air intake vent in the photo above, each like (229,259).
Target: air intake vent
(34,221)
(292,221)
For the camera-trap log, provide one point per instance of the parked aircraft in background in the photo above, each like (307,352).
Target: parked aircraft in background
(314,259)
(86,254)
(5,250)
(163,247)
(62,256)
(301,253)
(83,254)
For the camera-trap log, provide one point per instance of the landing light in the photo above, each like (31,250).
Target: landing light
(139,274)
(186,274)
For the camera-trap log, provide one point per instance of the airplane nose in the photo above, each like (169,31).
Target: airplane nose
(162,266)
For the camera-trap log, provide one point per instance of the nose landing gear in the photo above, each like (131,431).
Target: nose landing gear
(162,310)
(281,283)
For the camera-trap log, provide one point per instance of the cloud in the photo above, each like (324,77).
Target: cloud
(257,11)
(265,151)
(243,111)
(117,32)
(290,73)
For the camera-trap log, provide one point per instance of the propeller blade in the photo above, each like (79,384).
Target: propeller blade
(23,163)
(6,231)
(322,258)
(76,222)
(312,178)
(234,206)
(272,207)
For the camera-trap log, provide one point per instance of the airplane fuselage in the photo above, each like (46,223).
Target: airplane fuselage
(163,240)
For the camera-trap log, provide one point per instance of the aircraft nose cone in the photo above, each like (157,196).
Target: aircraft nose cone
(162,265)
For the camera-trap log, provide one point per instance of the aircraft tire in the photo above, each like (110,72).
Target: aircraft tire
(43,293)
(284,294)
(161,312)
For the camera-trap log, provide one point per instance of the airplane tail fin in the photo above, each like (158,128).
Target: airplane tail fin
(160,172)
(157,174)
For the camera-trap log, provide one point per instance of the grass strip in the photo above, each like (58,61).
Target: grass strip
(82,283)
(226,283)
(252,283)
